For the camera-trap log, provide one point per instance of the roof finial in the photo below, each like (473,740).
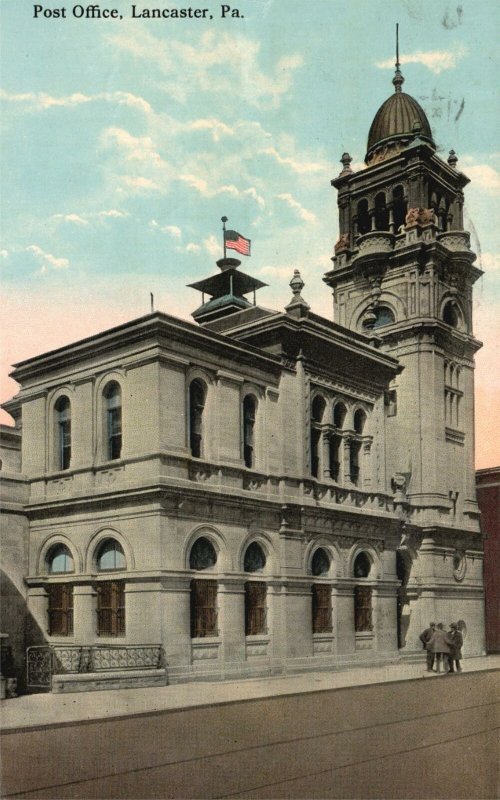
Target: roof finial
(398,79)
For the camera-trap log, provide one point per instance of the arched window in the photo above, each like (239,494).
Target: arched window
(335,450)
(113,420)
(110,594)
(399,207)
(381,213)
(364,221)
(110,556)
(59,560)
(321,593)
(202,555)
(249,409)
(450,314)
(383,316)
(255,559)
(63,433)
(197,394)
(320,564)
(362,595)
(362,566)
(317,411)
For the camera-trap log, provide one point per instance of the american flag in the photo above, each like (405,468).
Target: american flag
(235,241)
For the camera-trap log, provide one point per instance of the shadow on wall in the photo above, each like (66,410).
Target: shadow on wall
(23,631)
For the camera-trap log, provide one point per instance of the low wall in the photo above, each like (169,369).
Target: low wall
(431,737)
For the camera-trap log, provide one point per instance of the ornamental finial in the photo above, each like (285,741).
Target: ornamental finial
(398,79)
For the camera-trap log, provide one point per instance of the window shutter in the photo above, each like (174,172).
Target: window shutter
(203,608)
(363,608)
(322,608)
(255,608)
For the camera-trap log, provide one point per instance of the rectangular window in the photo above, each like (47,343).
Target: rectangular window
(64,444)
(114,433)
(354,449)
(321,608)
(60,609)
(363,608)
(111,608)
(335,457)
(255,608)
(203,608)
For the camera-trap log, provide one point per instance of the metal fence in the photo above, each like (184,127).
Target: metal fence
(44,661)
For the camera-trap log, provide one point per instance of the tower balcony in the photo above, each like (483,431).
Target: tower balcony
(375,242)
(457,241)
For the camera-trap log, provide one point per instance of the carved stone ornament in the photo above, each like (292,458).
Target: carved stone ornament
(420,216)
(459,565)
(342,243)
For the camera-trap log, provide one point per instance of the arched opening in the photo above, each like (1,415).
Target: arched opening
(202,555)
(249,412)
(362,566)
(63,433)
(110,594)
(110,556)
(403,566)
(381,213)
(364,221)
(59,560)
(113,421)
(197,394)
(399,207)
(320,563)
(450,314)
(359,421)
(317,412)
(255,559)
(339,414)
(383,316)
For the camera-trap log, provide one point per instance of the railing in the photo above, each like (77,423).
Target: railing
(42,662)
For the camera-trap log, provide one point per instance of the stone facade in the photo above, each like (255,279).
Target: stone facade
(266,491)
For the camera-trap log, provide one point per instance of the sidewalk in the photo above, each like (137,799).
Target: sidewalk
(31,711)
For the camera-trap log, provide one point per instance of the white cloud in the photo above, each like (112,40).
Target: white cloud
(490,261)
(193,248)
(202,186)
(213,247)
(139,182)
(302,212)
(483,176)
(40,101)
(300,167)
(435,60)
(4,253)
(173,230)
(226,65)
(47,260)
(277,272)
(215,126)
(83,219)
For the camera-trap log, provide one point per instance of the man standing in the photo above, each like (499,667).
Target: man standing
(425,638)
(457,641)
(440,643)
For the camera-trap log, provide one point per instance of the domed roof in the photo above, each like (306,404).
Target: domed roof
(398,120)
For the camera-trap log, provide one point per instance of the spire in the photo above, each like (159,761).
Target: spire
(398,79)
(297,307)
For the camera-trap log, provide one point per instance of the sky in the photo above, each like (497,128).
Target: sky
(126,140)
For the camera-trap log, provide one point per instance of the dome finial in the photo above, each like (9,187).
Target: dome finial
(398,79)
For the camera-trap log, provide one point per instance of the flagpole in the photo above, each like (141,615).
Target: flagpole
(224,220)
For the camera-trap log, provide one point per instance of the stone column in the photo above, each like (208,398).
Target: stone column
(276,627)
(232,619)
(84,614)
(324,471)
(384,609)
(371,212)
(175,617)
(365,463)
(38,606)
(390,208)
(346,642)
(298,614)
(142,612)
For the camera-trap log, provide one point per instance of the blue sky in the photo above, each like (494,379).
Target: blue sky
(125,141)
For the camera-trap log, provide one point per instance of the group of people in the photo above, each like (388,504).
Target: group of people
(443,647)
